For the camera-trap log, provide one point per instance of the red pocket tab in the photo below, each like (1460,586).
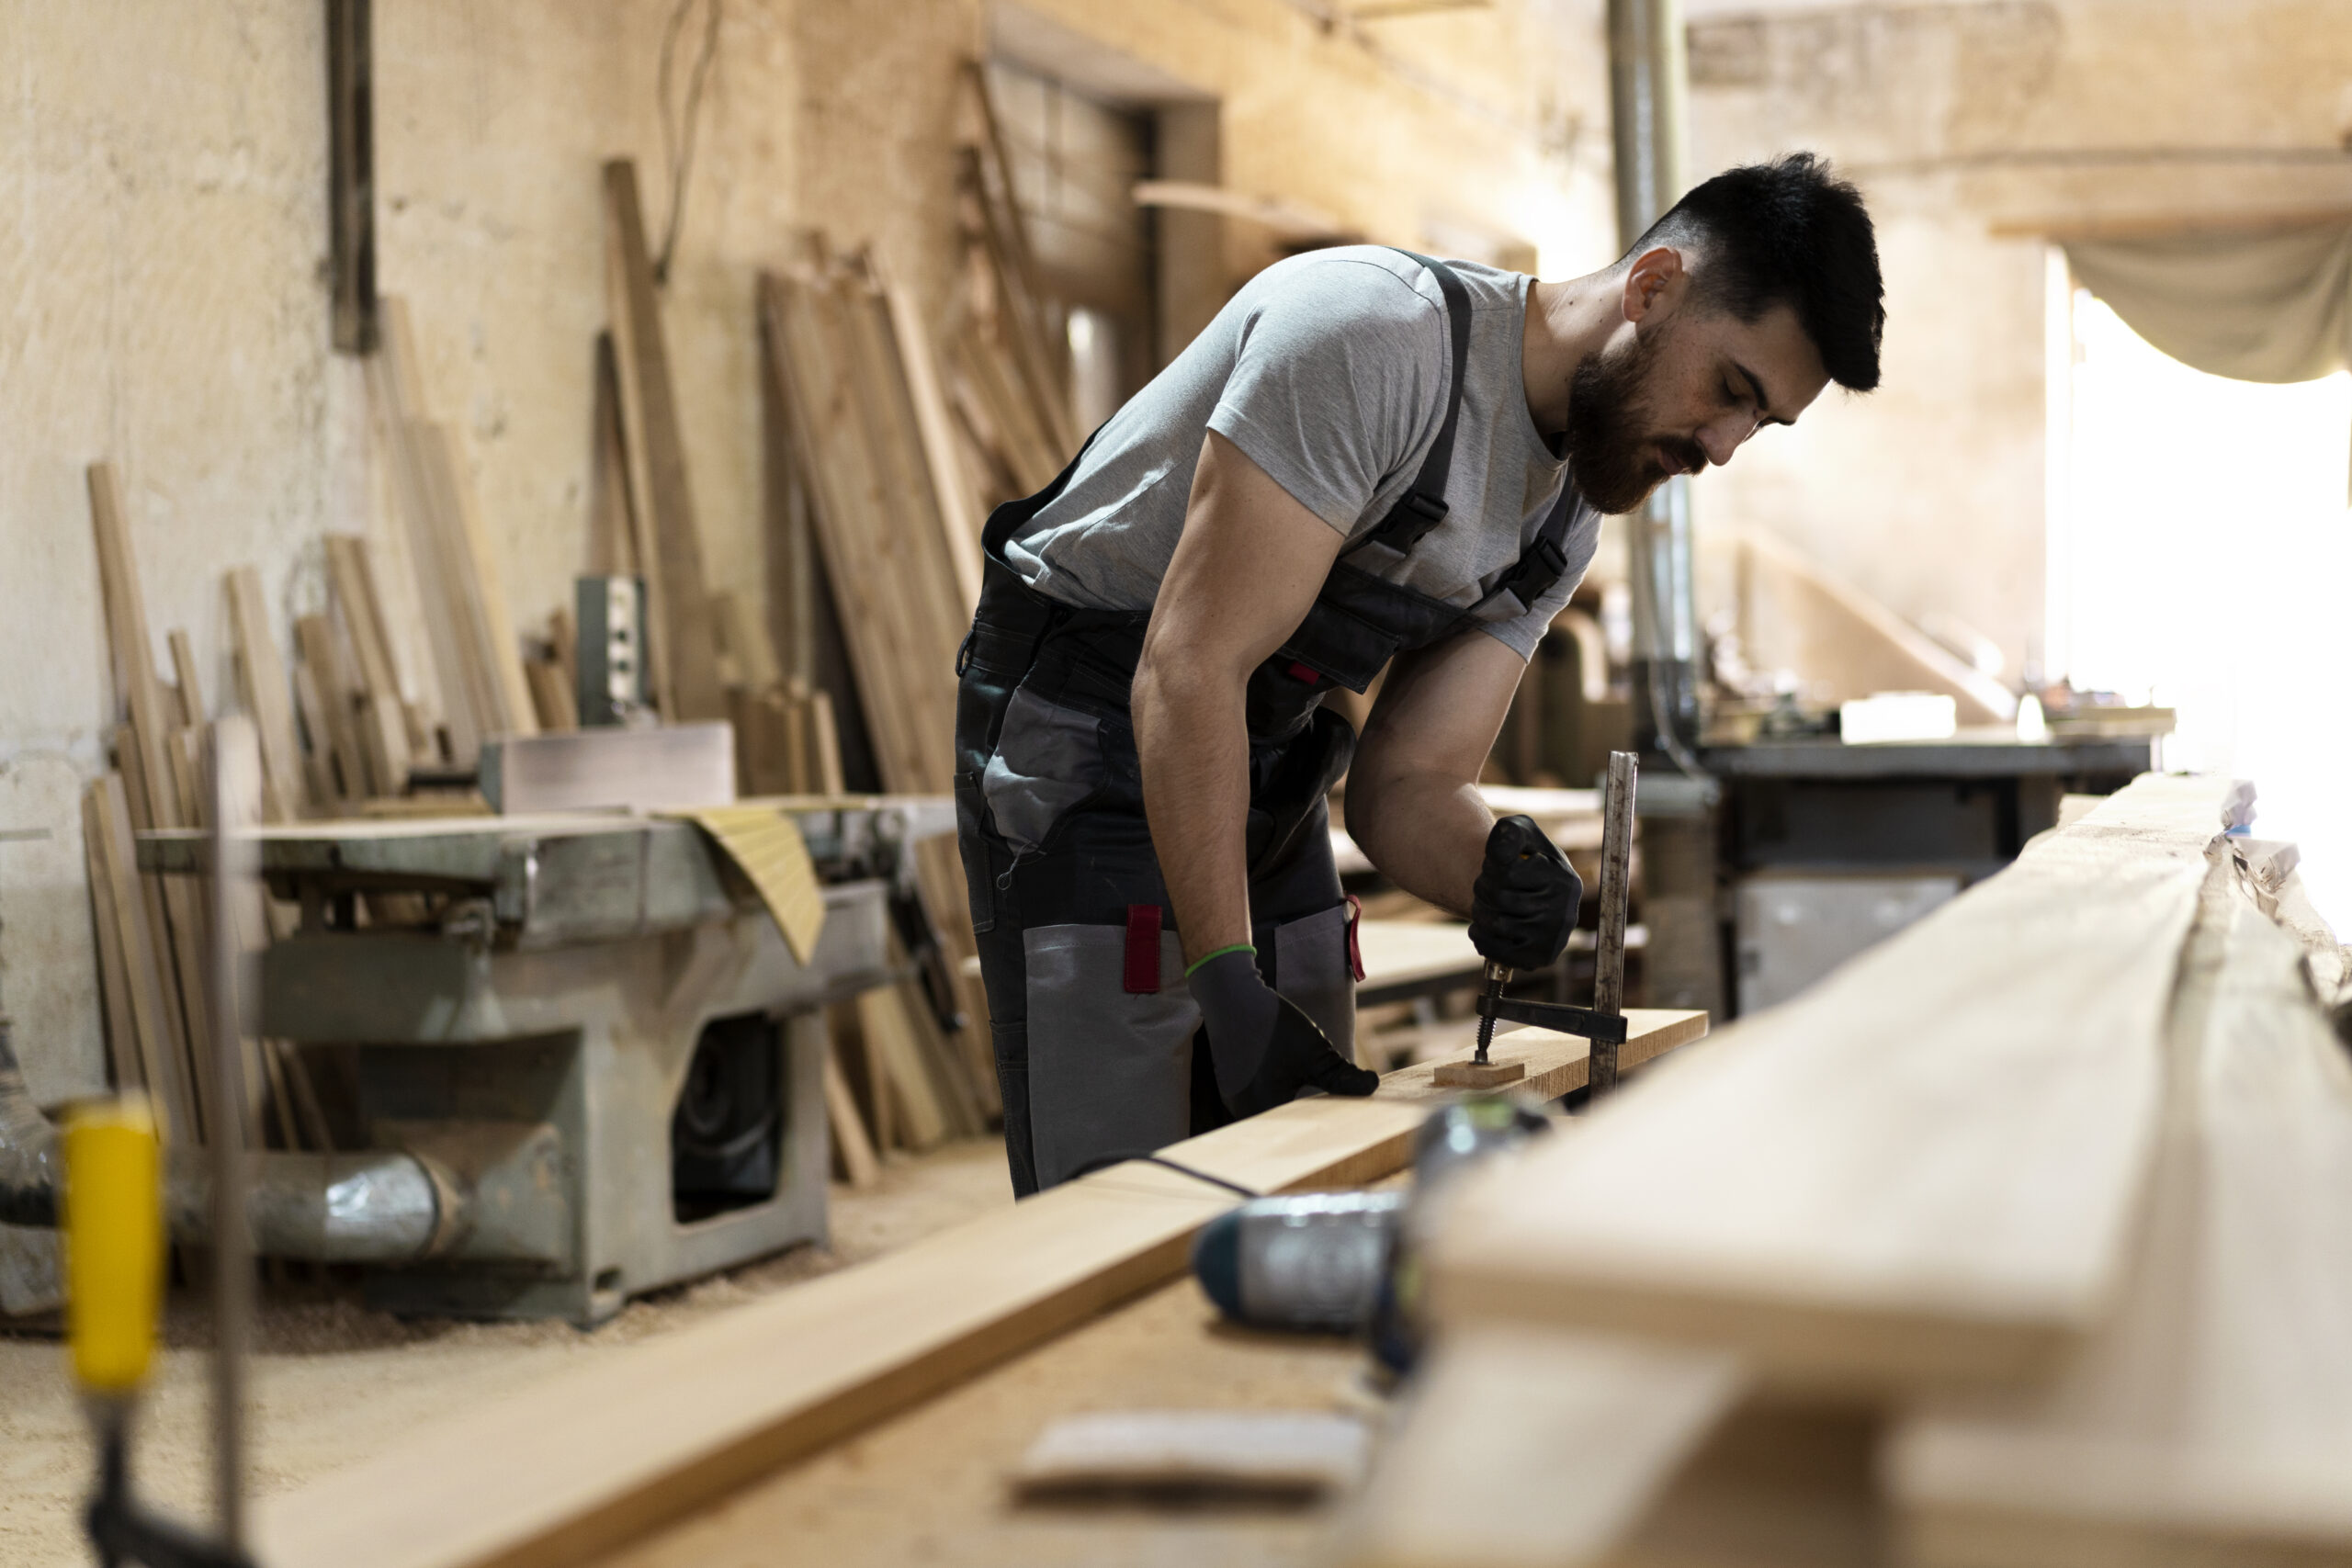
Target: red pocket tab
(1143,949)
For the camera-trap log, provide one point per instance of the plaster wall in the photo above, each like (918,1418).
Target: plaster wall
(163,300)
(1955,119)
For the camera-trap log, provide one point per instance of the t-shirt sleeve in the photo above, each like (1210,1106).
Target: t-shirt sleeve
(1339,378)
(1522,632)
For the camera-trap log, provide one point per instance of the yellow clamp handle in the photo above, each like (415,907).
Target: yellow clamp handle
(114,1243)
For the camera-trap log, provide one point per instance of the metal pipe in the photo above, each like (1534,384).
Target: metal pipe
(1649,82)
(367,1206)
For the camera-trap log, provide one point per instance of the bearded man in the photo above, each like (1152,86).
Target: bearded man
(1370,459)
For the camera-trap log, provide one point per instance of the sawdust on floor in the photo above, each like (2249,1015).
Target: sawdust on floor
(333,1382)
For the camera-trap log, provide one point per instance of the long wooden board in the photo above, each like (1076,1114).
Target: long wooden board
(1922,1172)
(268,695)
(669,550)
(589,1460)
(2210,1419)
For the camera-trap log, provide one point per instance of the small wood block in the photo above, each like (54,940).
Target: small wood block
(1476,1075)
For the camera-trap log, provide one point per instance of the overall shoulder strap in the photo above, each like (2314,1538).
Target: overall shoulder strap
(1422,507)
(1541,565)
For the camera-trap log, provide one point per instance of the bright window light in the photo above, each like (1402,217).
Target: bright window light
(2203,557)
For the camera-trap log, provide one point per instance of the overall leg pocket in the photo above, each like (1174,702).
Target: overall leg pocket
(1048,757)
(1311,968)
(1109,1067)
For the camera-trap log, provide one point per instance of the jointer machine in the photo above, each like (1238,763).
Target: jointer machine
(585,1059)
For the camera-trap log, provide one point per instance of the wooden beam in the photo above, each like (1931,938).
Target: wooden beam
(107,821)
(1924,1172)
(351,177)
(2209,1419)
(716,1405)
(268,695)
(670,550)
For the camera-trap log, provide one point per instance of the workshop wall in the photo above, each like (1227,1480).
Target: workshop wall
(163,264)
(1954,118)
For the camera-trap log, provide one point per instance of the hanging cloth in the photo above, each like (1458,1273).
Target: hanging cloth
(2255,304)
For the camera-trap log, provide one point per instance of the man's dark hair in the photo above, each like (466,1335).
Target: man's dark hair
(1788,232)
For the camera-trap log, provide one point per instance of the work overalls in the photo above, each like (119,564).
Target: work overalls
(1092,1026)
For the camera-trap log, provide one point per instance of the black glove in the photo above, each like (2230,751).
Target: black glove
(1524,902)
(1265,1050)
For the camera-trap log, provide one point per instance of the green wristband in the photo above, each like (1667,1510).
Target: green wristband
(1220,953)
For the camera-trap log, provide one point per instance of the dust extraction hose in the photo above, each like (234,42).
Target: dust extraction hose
(365,1206)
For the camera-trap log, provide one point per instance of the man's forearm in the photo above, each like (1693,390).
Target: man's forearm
(1426,832)
(1192,735)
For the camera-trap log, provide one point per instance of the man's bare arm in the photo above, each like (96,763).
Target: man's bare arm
(1413,803)
(1245,572)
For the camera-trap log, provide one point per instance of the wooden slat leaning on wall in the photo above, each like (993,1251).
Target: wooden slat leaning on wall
(265,691)
(2007,1046)
(668,551)
(598,1456)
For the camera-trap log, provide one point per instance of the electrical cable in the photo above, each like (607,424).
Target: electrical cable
(678,131)
(1104,1162)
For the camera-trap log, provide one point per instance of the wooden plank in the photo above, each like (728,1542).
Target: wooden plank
(611,522)
(124,1040)
(314,636)
(494,653)
(1923,1172)
(396,386)
(106,819)
(746,641)
(890,1046)
(136,684)
(319,760)
(551,696)
(859,1167)
(686,656)
(899,613)
(953,502)
(266,693)
(380,719)
(184,671)
(1500,1417)
(719,1404)
(2209,1420)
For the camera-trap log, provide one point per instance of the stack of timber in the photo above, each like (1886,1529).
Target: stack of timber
(865,432)
(153,931)
(1008,363)
(2010,1234)
(476,657)
(607,1454)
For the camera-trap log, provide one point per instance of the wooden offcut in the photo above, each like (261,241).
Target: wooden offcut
(1921,1173)
(595,1457)
(1480,1075)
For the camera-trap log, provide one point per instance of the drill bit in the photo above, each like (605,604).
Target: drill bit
(1498,977)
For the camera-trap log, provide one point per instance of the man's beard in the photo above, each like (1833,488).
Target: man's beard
(1613,455)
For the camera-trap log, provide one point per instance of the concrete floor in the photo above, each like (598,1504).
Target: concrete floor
(333,1382)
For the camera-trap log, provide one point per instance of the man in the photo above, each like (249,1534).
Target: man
(1368,459)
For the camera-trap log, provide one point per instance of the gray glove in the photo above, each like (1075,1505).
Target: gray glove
(1265,1049)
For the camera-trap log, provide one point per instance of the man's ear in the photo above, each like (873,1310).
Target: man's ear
(1655,284)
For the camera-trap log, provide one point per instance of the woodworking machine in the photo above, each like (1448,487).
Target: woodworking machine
(594,1064)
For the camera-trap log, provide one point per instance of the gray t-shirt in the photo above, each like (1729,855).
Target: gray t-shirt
(1330,371)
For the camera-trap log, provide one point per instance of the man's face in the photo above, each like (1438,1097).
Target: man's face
(1678,387)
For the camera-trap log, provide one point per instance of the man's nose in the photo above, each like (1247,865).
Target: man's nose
(1722,438)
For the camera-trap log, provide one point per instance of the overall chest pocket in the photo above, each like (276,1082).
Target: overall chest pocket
(1048,757)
